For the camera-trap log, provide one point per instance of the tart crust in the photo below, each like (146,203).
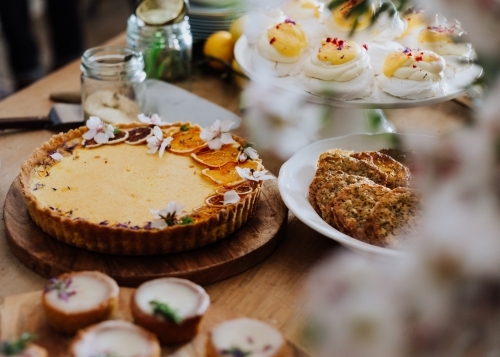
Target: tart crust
(211,225)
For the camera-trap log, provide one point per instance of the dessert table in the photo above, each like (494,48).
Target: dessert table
(270,291)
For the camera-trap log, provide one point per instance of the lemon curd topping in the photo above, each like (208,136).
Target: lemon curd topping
(435,34)
(396,60)
(337,51)
(309,4)
(287,38)
(343,19)
(413,20)
(121,186)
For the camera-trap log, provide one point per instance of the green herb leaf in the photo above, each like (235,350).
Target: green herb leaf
(15,347)
(163,310)
(185,127)
(117,131)
(187,220)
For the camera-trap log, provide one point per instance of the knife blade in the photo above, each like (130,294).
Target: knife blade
(61,117)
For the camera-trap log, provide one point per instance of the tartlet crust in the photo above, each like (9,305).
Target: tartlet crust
(167,332)
(69,323)
(126,241)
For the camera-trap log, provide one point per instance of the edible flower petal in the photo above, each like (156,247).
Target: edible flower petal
(166,216)
(56,156)
(253,175)
(98,131)
(231,197)
(217,134)
(155,119)
(157,142)
(248,152)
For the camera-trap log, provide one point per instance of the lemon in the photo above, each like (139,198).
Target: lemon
(219,45)
(240,81)
(238,27)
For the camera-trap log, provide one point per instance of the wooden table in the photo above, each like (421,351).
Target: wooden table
(271,291)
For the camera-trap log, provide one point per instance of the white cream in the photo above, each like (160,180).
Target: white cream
(410,89)
(119,337)
(89,292)
(248,335)
(259,20)
(184,297)
(310,19)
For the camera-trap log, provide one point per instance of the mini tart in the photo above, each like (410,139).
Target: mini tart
(188,300)
(115,338)
(100,198)
(79,299)
(244,336)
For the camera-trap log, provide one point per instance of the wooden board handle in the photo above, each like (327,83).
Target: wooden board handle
(38,122)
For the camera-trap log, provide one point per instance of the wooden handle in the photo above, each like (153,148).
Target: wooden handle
(39,122)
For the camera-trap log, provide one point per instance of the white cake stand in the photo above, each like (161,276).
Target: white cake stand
(457,86)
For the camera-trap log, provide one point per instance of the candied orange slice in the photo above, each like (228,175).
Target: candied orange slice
(187,140)
(217,158)
(227,174)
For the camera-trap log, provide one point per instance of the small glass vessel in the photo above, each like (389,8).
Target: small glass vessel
(167,50)
(112,83)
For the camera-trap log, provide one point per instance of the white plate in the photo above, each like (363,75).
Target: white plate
(379,99)
(298,172)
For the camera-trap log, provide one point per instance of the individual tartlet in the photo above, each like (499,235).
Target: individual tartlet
(386,27)
(340,69)
(78,299)
(245,337)
(171,308)
(22,347)
(309,15)
(413,74)
(151,193)
(115,338)
(280,50)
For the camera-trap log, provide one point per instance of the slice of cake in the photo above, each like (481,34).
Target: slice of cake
(245,337)
(78,299)
(171,308)
(115,338)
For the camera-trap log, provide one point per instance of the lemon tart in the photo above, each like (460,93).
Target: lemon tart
(142,189)
(171,308)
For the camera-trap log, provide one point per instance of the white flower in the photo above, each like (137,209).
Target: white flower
(248,152)
(253,175)
(100,132)
(157,141)
(166,216)
(217,134)
(56,156)
(153,120)
(231,197)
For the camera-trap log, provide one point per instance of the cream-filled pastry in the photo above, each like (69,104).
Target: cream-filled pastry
(377,51)
(440,40)
(280,50)
(415,21)
(340,69)
(386,27)
(309,15)
(413,74)
(259,20)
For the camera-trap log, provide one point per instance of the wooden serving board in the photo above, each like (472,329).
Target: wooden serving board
(24,313)
(245,248)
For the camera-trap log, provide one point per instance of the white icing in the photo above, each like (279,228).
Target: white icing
(455,64)
(247,335)
(259,21)
(272,68)
(186,299)
(377,51)
(90,291)
(293,9)
(119,337)
(410,89)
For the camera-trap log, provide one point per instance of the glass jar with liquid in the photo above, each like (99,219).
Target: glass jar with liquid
(112,83)
(167,50)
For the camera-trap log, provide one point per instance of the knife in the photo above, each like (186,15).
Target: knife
(61,117)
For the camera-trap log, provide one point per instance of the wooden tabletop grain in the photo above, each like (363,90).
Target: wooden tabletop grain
(272,290)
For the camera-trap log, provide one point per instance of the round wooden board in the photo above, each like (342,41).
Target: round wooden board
(24,313)
(245,248)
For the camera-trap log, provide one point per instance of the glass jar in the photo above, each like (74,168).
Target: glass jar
(112,81)
(167,49)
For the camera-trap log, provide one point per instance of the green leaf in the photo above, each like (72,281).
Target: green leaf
(185,127)
(117,131)
(187,220)
(15,347)
(163,310)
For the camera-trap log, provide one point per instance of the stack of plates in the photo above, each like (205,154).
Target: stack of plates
(209,16)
